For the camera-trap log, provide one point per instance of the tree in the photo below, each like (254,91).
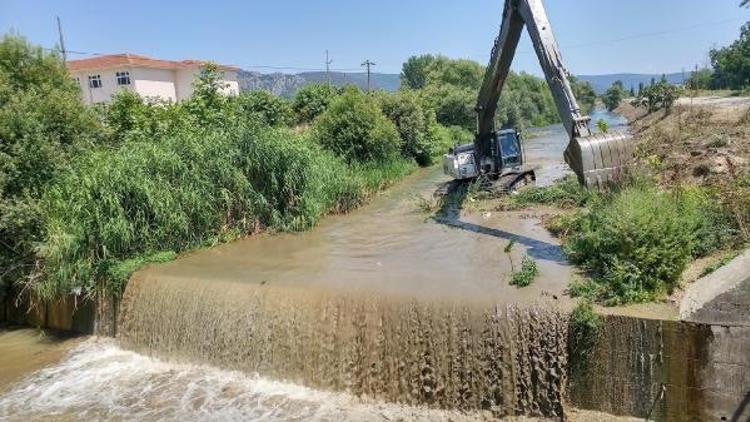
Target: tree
(42,123)
(312,100)
(414,71)
(661,95)
(640,88)
(268,108)
(732,63)
(632,91)
(414,123)
(355,128)
(614,95)
(700,79)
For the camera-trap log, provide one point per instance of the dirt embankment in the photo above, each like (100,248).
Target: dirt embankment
(703,140)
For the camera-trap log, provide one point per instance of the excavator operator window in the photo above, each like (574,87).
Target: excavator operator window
(510,149)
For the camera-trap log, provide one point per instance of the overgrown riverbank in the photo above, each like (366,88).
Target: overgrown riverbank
(89,194)
(679,214)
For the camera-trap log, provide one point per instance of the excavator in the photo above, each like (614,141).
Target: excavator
(498,155)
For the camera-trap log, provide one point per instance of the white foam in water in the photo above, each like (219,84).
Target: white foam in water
(98,380)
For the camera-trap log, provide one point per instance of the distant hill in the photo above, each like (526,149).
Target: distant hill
(600,83)
(286,85)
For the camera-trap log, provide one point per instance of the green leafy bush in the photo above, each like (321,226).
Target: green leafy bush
(353,127)
(42,124)
(416,126)
(270,109)
(584,330)
(312,100)
(637,241)
(526,275)
(180,191)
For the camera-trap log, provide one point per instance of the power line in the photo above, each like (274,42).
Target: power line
(644,35)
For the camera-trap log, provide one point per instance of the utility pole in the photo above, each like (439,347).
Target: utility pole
(368,63)
(62,41)
(328,69)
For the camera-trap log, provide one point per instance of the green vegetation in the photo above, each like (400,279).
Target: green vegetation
(42,124)
(635,240)
(602,126)
(355,128)
(657,96)
(614,95)
(312,100)
(584,330)
(450,87)
(566,193)
(730,63)
(421,137)
(90,194)
(526,275)
(271,110)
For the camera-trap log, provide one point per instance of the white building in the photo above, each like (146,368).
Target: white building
(102,76)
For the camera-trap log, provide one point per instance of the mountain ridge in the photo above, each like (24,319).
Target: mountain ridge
(287,84)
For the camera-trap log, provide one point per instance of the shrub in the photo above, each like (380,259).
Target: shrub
(584,330)
(312,100)
(270,109)
(416,126)
(656,97)
(353,127)
(526,275)
(42,124)
(637,241)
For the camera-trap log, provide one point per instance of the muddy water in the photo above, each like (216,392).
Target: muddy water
(25,350)
(391,247)
(383,304)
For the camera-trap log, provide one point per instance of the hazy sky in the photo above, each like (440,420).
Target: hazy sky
(596,36)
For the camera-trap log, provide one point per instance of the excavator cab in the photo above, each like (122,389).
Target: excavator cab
(509,152)
(506,159)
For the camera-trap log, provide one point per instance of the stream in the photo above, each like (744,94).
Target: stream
(383,305)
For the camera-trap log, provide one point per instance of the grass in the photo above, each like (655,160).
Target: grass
(635,240)
(566,193)
(117,210)
(526,275)
(584,330)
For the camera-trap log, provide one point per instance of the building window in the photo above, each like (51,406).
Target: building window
(123,78)
(95,81)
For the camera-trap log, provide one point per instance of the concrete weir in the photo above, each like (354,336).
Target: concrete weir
(666,370)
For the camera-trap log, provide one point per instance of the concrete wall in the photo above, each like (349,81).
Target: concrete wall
(165,84)
(155,83)
(67,314)
(667,370)
(109,85)
(185,78)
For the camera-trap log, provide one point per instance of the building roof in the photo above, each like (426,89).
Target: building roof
(134,60)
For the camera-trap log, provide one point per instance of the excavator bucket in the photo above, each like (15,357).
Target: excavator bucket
(599,158)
